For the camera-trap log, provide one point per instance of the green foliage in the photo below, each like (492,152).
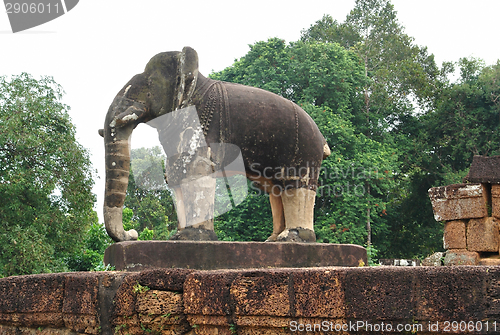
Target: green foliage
(146,235)
(398,73)
(90,257)
(149,207)
(138,288)
(372,254)
(24,251)
(316,73)
(357,176)
(45,174)
(249,221)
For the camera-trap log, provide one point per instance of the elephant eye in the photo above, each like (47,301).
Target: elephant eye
(148,95)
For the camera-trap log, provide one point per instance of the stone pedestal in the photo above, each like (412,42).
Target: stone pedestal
(211,255)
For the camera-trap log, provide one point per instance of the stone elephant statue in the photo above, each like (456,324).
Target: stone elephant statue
(281,146)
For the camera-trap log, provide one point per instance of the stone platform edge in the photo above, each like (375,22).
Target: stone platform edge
(212,255)
(264,301)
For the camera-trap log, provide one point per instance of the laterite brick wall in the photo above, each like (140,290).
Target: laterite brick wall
(429,300)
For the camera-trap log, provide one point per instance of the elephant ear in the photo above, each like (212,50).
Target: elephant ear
(187,76)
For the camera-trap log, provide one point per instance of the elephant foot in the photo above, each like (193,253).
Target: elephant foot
(195,234)
(272,238)
(297,235)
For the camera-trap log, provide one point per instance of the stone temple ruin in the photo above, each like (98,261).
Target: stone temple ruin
(471,212)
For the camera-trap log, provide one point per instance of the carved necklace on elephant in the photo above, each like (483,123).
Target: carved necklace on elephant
(217,100)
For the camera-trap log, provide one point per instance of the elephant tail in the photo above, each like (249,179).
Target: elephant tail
(326,149)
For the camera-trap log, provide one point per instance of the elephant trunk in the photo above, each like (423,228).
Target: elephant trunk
(123,115)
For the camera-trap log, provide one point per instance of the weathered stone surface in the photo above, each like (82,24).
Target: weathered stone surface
(11,330)
(109,283)
(264,301)
(330,304)
(495,201)
(454,235)
(436,259)
(124,300)
(151,300)
(261,293)
(32,300)
(379,293)
(162,311)
(449,293)
(484,170)
(208,292)
(461,257)
(80,302)
(210,255)
(483,235)
(459,201)
(164,279)
(490,261)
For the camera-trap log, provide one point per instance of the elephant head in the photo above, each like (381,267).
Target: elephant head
(166,84)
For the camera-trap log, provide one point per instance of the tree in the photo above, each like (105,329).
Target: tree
(464,123)
(399,75)
(45,175)
(343,196)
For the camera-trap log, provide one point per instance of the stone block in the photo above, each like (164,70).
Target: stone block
(164,279)
(483,235)
(32,300)
(330,303)
(454,235)
(208,293)
(495,200)
(489,261)
(461,257)
(459,201)
(80,302)
(436,259)
(382,293)
(262,293)
(484,170)
(154,302)
(162,311)
(449,293)
(125,297)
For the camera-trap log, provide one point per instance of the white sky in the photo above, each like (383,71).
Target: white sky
(94,49)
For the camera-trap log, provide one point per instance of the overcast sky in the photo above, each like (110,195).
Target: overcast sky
(94,49)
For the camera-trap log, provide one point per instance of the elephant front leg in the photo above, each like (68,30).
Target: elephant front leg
(194,199)
(298,205)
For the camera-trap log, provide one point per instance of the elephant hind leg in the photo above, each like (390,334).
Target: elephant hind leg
(274,192)
(298,207)
(278,216)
